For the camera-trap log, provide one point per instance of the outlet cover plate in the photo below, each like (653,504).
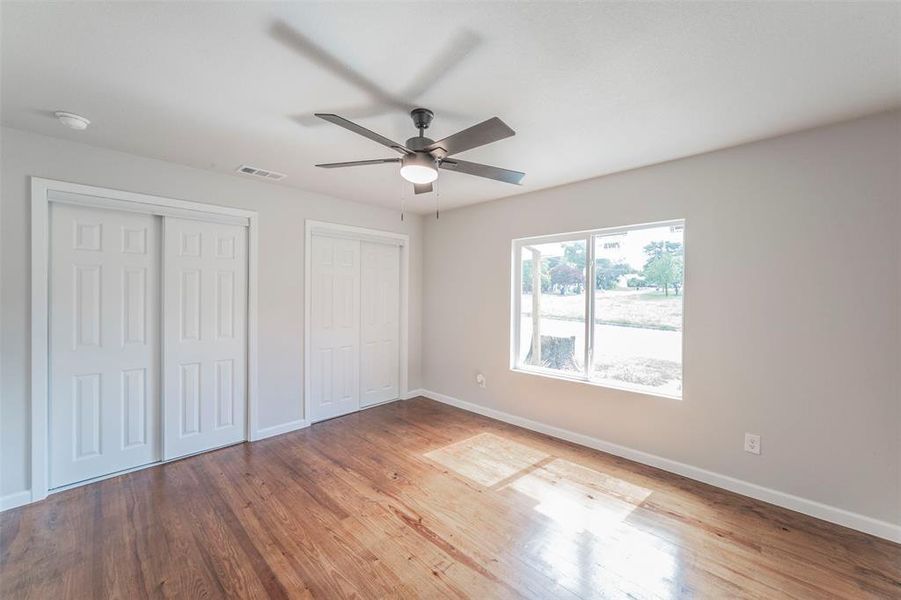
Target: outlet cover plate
(752,443)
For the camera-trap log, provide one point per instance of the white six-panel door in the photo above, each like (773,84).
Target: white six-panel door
(104,342)
(205,307)
(380,327)
(335,327)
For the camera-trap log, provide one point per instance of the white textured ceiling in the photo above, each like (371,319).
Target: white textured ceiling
(589,88)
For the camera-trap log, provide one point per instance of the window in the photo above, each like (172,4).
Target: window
(602,306)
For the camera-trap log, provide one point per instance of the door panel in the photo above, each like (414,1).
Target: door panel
(334,327)
(380,329)
(205,308)
(104,342)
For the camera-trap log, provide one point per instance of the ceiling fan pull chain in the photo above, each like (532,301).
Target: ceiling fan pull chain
(437,198)
(403,201)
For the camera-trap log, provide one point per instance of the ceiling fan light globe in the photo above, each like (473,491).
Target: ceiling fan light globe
(419,173)
(419,167)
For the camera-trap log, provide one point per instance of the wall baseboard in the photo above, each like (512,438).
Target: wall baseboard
(268,432)
(839,516)
(15,500)
(21,498)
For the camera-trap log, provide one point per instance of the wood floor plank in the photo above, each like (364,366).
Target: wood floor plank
(416,499)
(744,520)
(430,510)
(392,514)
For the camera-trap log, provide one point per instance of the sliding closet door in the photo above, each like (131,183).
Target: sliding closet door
(380,328)
(104,342)
(204,312)
(334,328)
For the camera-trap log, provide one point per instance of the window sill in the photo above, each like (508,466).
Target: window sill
(641,390)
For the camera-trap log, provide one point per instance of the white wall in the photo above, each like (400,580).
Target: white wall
(282,211)
(793,271)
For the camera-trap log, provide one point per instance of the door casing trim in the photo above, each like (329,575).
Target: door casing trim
(43,192)
(364,234)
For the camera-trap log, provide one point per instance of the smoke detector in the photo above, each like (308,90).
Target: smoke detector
(71,120)
(261,173)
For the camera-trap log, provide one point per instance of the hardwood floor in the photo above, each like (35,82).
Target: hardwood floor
(418,499)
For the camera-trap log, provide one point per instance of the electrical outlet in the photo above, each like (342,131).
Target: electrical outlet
(480,379)
(752,443)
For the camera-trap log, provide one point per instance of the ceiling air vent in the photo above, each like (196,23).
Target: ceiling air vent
(262,173)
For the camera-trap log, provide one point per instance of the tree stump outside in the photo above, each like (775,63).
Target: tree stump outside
(556,353)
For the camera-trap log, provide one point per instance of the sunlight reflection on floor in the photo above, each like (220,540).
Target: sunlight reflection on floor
(487,458)
(578,498)
(586,544)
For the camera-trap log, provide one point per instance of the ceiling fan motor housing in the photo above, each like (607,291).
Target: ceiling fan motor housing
(418,144)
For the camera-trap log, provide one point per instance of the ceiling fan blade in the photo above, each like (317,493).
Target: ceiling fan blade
(480,170)
(376,109)
(422,188)
(454,52)
(287,35)
(359,163)
(485,132)
(360,130)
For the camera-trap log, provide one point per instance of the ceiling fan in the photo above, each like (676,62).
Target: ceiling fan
(422,157)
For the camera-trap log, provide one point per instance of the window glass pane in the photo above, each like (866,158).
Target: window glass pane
(552,309)
(638,309)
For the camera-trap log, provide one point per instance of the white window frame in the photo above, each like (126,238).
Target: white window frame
(588,236)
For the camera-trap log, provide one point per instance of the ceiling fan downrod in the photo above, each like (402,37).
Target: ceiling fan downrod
(422,118)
